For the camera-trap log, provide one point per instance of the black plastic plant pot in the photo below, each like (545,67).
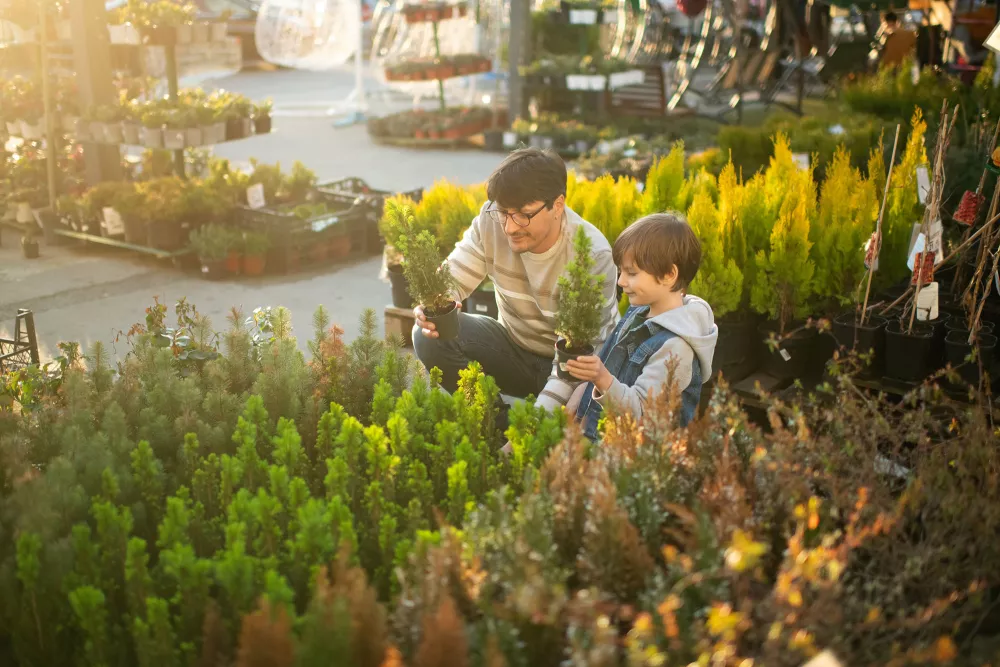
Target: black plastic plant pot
(863,339)
(957,349)
(737,351)
(262,124)
(794,357)
(401,297)
(483,302)
(563,355)
(446,324)
(214,269)
(960,324)
(909,356)
(234,129)
(29,248)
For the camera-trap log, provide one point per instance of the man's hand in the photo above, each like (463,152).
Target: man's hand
(427,328)
(590,369)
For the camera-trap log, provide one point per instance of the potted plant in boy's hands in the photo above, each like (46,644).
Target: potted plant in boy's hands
(429,278)
(581,295)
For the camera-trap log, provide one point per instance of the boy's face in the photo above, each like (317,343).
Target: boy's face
(642,288)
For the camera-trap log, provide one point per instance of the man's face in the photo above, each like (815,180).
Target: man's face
(533,227)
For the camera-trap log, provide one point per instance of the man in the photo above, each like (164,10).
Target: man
(521,239)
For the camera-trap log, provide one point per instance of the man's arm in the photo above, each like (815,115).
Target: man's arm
(468,261)
(557,391)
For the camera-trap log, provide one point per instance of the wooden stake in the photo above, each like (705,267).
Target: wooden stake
(878,229)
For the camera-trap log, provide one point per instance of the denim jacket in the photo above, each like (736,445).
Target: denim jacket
(625,355)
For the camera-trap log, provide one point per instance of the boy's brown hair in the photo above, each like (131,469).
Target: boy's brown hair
(659,242)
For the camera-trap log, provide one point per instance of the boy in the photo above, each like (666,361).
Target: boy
(658,257)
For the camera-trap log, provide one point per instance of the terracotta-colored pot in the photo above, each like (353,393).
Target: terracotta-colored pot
(253,265)
(233,262)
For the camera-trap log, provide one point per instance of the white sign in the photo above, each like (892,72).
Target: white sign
(802,160)
(323,223)
(578,82)
(923,183)
(935,233)
(255,196)
(785,355)
(509,139)
(583,16)
(610,16)
(993,41)
(113,223)
(927,303)
(918,246)
(633,77)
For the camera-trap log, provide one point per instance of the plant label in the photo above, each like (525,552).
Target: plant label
(582,16)
(784,354)
(640,186)
(578,82)
(633,77)
(482,308)
(596,82)
(915,247)
(509,139)
(802,160)
(255,196)
(993,41)
(927,303)
(872,248)
(836,130)
(603,147)
(113,223)
(610,16)
(923,183)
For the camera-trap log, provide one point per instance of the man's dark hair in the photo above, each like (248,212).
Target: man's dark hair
(890,17)
(527,175)
(659,242)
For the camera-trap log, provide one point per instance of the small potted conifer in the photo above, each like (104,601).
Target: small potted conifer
(430,279)
(581,297)
(255,247)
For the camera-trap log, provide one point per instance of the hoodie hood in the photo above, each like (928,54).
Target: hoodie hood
(695,323)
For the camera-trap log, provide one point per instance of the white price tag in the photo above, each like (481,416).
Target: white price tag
(610,16)
(935,234)
(784,354)
(630,78)
(802,160)
(927,303)
(923,183)
(640,186)
(583,16)
(509,139)
(578,82)
(255,196)
(481,308)
(113,223)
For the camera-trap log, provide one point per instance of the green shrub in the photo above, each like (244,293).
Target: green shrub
(581,297)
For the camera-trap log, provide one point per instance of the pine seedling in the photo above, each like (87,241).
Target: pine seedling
(581,297)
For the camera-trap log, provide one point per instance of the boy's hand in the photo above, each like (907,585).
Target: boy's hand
(590,369)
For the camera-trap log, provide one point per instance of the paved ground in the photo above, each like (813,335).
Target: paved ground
(89,295)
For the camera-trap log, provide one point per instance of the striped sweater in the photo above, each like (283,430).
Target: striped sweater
(526,287)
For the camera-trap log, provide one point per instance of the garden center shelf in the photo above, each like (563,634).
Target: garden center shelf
(174,255)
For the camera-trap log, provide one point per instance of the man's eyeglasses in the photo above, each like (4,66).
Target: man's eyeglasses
(520,219)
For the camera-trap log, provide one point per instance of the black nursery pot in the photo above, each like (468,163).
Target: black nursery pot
(959,324)
(401,297)
(867,338)
(563,355)
(262,125)
(483,302)
(957,348)
(793,358)
(909,356)
(446,325)
(29,248)
(737,350)
(234,129)
(214,269)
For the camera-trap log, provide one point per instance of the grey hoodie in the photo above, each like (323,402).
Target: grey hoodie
(696,331)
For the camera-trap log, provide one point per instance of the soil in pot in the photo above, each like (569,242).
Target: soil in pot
(563,355)
(401,297)
(869,338)
(737,351)
(214,269)
(262,124)
(957,348)
(253,265)
(233,262)
(909,356)
(794,357)
(446,324)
